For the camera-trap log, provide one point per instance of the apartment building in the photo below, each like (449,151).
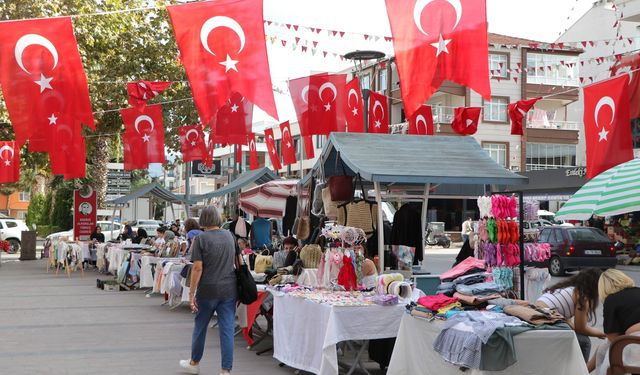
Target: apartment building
(618,33)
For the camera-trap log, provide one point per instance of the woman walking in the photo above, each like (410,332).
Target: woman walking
(213,289)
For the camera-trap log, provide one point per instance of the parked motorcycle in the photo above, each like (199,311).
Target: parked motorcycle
(437,239)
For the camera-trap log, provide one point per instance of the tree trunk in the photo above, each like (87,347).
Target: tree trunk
(100,158)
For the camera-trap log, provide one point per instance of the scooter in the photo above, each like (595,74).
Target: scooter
(438,239)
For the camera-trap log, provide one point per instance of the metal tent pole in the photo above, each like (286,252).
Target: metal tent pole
(376,187)
(423,217)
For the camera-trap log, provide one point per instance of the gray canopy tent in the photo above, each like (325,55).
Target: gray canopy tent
(151,189)
(404,167)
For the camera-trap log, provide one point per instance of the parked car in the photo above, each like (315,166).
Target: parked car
(578,247)
(11,231)
(150,226)
(110,231)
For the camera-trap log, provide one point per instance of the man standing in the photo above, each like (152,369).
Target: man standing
(467,228)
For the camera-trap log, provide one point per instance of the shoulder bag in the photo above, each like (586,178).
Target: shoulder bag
(247,290)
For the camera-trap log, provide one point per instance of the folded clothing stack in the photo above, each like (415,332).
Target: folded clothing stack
(480,289)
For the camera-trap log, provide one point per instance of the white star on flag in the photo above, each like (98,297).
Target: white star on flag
(234,108)
(53,119)
(441,45)
(378,123)
(44,83)
(7,163)
(288,144)
(146,138)
(327,107)
(229,64)
(603,135)
(355,111)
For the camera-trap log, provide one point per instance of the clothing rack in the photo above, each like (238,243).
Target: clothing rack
(521,230)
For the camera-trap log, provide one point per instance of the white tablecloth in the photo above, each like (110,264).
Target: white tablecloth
(538,352)
(305,333)
(309,277)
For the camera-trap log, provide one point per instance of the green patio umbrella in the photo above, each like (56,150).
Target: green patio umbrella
(613,192)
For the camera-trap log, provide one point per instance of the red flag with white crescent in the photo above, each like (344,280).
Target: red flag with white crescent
(421,123)
(233,121)
(223,49)
(378,113)
(319,103)
(465,120)
(253,153)
(68,157)
(288,146)
(607,127)
(143,136)
(309,149)
(43,79)
(436,41)
(271,149)
(517,112)
(192,142)
(142,91)
(630,65)
(354,106)
(9,162)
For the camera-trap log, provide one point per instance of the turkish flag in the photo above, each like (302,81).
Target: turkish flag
(436,41)
(142,91)
(192,142)
(309,149)
(239,154)
(421,122)
(465,120)
(607,126)
(9,162)
(42,79)
(143,137)
(288,146)
(630,64)
(271,149)
(233,121)
(378,113)
(319,102)
(68,156)
(208,152)
(223,49)
(354,106)
(253,153)
(517,111)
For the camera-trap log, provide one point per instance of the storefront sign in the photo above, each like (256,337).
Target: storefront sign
(578,172)
(198,168)
(84,213)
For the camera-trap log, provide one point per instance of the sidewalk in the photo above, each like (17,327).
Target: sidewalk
(57,325)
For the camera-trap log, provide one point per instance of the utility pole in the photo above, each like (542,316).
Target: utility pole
(187,187)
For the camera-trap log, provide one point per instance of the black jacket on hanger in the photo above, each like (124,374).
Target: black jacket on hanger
(289,216)
(407,228)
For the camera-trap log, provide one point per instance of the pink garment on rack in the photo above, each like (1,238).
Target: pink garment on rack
(462,267)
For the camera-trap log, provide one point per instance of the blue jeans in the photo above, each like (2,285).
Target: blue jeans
(226,310)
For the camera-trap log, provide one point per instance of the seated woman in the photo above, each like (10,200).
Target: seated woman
(97,236)
(141,237)
(243,245)
(577,298)
(621,312)
(171,247)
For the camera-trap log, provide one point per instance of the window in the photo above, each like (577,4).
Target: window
(544,236)
(395,79)
(547,69)
(365,82)
(25,196)
(550,156)
(11,224)
(382,81)
(499,63)
(21,215)
(495,110)
(497,151)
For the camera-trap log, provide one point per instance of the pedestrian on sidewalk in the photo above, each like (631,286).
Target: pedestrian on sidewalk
(467,228)
(213,289)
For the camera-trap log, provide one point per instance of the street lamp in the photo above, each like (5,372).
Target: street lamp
(359,57)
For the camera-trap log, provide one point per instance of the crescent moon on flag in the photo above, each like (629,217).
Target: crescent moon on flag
(330,86)
(6,148)
(354,93)
(375,105)
(252,145)
(220,21)
(30,40)
(186,136)
(421,4)
(142,118)
(419,119)
(286,132)
(605,101)
(469,122)
(305,94)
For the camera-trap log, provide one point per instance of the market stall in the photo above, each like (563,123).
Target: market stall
(536,352)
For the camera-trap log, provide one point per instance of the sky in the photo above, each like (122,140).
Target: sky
(542,20)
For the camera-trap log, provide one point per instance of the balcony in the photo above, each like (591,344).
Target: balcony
(442,114)
(553,124)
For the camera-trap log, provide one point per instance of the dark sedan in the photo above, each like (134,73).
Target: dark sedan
(578,247)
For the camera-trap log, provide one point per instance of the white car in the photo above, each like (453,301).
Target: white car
(11,230)
(150,226)
(110,231)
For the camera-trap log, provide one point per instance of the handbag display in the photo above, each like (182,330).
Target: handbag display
(330,206)
(304,228)
(341,188)
(361,215)
(246,286)
(317,207)
(263,263)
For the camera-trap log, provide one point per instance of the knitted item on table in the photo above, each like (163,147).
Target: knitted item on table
(310,256)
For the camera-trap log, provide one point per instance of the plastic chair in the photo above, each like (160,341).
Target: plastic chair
(616,365)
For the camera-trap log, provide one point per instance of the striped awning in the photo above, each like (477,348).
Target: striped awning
(613,192)
(268,200)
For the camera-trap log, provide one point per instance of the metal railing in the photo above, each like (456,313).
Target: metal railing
(442,114)
(553,124)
